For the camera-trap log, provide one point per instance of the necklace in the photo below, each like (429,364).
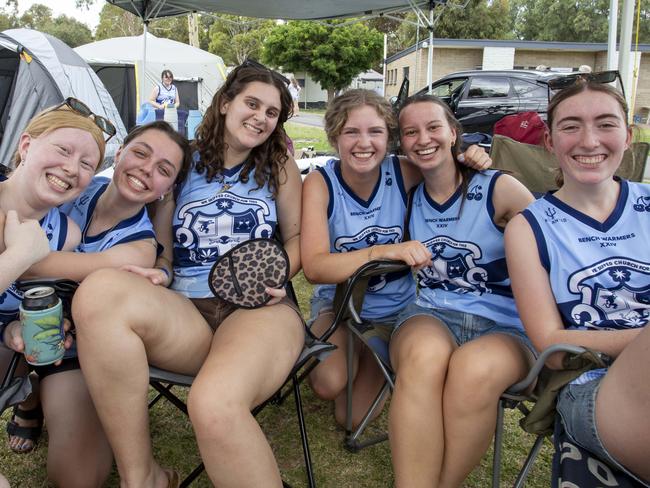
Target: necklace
(84,233)
(225,185)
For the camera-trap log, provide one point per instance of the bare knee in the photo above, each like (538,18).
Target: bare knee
(214,413)
(98,295)
(61,473)
(423,364)
(329,379)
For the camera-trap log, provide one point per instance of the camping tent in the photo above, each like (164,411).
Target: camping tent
(197,73)
(38,71)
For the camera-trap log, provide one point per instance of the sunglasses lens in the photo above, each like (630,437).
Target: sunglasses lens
(105,125)
(605,77)
(78,106)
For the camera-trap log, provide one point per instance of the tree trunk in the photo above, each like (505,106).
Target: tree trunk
(193,28)
(331,92)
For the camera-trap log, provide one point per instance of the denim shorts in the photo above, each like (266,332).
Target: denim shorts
(576,405)
(465,327)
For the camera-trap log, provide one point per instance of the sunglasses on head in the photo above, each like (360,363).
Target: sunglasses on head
(82,109)
(254,64)
(562,82)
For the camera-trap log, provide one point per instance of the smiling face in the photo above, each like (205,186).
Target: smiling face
(147,166)
(588,137)
(251,116)
(363,141)
(57,165)
(426,137)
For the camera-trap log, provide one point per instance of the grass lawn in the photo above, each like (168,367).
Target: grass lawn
(303,136)
(334,466)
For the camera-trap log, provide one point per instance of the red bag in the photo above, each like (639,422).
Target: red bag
(527,127)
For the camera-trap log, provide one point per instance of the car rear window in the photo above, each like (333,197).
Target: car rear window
(526,89)
(489,88)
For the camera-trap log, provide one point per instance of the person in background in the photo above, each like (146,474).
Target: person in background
(165,93)
(294,89)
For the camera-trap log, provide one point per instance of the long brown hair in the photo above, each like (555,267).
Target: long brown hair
(267,159)
(466,172)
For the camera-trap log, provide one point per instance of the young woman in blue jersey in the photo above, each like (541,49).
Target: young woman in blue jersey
(461,344)
(55,160)
(580,266)
(353,212)
(243,184)
(165,93)
(115,231)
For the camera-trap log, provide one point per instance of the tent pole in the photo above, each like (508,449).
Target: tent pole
(383,89)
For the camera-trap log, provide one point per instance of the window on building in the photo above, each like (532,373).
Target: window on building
(405,72)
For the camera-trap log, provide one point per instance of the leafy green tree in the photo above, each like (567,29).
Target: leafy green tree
(39,17)
(332,55)
(575,21)
(235,38)
(116,22)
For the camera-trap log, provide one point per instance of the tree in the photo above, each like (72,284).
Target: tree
(235,38)
(332,54)
(116,22)
(39,17)
(576,21)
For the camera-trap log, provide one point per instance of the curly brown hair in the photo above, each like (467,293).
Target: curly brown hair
(269,158)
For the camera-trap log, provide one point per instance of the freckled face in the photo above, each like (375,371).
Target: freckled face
(147,167)
(426,138)
(588,137)
(363,141)
(58,165)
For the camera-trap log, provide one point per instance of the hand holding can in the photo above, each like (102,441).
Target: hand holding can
(41,316)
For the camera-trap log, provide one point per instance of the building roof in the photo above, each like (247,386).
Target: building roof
(517,44)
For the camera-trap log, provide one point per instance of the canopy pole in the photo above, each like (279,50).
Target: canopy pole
(624,48)
(383,90)
(611,35)
(430,52)
(144,63)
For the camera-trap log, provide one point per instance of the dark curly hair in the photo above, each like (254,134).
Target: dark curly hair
(268,159)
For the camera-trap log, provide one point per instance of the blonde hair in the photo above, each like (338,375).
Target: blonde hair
(52,119)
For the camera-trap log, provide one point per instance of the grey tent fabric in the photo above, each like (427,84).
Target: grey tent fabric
(276,9)
(38,71)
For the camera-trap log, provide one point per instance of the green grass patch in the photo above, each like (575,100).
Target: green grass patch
(303,136)
(334,466)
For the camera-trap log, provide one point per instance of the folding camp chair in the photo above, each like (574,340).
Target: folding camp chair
(347,305)
(163,382)
(535,167)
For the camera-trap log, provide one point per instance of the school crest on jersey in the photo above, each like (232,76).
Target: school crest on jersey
(454,266)
(368,237)
(614,294)
(211,227)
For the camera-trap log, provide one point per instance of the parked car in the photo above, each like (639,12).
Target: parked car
(480,98)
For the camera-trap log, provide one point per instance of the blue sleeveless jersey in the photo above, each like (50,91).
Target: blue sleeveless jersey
(166,95)
(210,219)
(80,211)
(55,225)
(599,272)
(356,224)
(469,272)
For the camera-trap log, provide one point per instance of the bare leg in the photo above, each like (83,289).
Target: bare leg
(78,453)
(479,371)
(329,378)
(420,354)
(252,353)
(623,404)
(116,343)
(3,482)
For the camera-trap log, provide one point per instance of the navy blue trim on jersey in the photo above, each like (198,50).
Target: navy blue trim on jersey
(490,201)
(442,207)
(593,223)
(145,234)
(63,225)
(330,191)
(400,179)
(349,191)
(138,236)
(539,238)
